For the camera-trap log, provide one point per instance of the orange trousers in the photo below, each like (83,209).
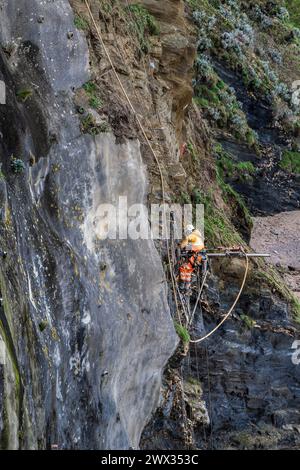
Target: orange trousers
(188,266)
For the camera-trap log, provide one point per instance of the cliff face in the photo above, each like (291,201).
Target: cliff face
(177,57)
(86,324)
(83,343)
(240,388)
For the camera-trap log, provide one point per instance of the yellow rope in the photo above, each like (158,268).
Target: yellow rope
(231,308)
(97,28)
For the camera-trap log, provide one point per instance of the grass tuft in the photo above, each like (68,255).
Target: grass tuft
(91,90)
(143,24)
(182,333)
(24,94)
(81,23)
(291,161)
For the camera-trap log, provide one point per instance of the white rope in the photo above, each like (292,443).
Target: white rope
(231,308)
(198,298)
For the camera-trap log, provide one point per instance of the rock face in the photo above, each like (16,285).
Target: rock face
(244,376)
(251,381)
(83,343)
(173,52)
(178,54)
(270,190)
(85,322)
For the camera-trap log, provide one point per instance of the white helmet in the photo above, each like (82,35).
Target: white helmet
(188,230)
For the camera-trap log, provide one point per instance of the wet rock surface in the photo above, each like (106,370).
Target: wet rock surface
(247,385)
(252,385)
(84,344)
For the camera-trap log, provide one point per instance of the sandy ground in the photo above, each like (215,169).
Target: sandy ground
(279,235)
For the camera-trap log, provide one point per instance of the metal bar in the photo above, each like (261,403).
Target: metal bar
(237,253)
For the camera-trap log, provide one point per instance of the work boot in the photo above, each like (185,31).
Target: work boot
(185,287)
(182,287)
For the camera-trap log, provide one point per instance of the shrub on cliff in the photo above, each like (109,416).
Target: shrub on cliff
(143,24)
(291,161)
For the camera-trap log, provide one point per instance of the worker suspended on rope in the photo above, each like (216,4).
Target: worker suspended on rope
(192,256)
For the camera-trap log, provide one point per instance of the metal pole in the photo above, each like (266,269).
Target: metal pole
(238,254)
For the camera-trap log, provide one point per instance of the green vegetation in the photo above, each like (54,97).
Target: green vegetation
(230,169)
(273,279)
(218,227)
(107,6)
(143,24)
(184,198)
(247,167)
(291,161)
(201,102)
(220,105)
(182,333)
(222,224)
(24,94)
(80,23)
(95,102)
(43,325)
(192,151)
(293,7)
(295,304)
(17,165)
(248,321)
(89,125)
(194,4)
(104,127)
(206,5)
(194,381)
(93,94)
(209,94)
(236,201)
(226,30)
(226,167)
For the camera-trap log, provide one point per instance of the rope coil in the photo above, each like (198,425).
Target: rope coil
(231,308)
